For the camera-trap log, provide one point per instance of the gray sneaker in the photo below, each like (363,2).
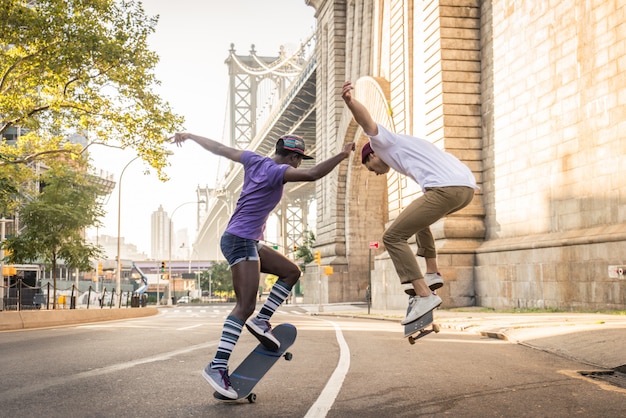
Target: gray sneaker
(433,280)
(262,330)
(219,379)
(419,306)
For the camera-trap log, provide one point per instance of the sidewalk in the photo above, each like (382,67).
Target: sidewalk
(598,340)
(37,318)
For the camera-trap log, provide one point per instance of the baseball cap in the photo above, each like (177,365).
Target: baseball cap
(296,144)
(365,152)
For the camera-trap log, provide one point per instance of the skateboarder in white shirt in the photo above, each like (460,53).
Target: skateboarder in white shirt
(447,184)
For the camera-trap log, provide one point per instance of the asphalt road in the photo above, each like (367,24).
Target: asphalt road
(341,367)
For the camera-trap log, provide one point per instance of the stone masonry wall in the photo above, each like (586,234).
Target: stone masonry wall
(539,114)
(554,113)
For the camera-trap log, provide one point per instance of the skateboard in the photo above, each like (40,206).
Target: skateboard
(419,326)
(259,361)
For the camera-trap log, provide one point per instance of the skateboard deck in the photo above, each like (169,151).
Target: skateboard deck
(419,327)
(252,369)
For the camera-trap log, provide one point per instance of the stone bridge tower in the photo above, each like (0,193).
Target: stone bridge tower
(417,77)
(531,96)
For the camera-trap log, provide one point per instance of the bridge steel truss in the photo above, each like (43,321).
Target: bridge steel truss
(294,80)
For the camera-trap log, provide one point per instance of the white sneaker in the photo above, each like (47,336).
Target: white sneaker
(263,331)
(433,280)
(419,306)
(219,379)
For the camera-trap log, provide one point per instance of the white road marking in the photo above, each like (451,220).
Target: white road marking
(326,399)
(189,327)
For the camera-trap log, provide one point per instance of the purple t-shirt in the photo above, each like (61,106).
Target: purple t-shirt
(261,192)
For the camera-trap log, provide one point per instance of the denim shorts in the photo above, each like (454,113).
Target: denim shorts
(236,249)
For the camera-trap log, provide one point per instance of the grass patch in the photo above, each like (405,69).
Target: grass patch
(483,309)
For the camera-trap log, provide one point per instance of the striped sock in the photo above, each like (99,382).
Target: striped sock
(277,296)
(230,336)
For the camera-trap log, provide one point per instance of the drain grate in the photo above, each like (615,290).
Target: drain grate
(615,377)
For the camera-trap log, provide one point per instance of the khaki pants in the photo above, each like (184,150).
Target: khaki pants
(416,219)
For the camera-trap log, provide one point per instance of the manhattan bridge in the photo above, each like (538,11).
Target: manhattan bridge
(268,97)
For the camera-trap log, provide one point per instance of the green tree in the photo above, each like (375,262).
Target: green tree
(9,190)
(221,279)
(304,252)
(55,220)
(70,66)
(269,281)
(19,163)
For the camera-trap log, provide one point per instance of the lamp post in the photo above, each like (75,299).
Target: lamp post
(118,267)
(169,263)
(3,222)
(210,285)
(196,273)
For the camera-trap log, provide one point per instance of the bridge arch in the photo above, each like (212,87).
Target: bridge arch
(362,211)
(366,202)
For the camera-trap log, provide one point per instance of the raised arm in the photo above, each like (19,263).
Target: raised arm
(210,145)
(359,111)
(321,169)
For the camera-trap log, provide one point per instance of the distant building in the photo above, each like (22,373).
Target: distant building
(160,235)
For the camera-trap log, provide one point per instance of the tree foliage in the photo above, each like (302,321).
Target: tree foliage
(18,181)
(304,252)
(83,66)
(56,218)
(221,279)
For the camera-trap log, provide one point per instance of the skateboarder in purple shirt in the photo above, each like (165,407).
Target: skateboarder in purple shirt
(264,179)
(447,184)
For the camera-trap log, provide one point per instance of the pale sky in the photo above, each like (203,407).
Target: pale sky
(193,39)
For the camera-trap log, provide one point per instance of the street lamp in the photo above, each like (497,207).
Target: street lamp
(3,221)
(118,275)
(171,279)
(118,268)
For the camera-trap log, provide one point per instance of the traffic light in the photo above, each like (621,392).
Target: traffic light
(295,248)
(162,266)
(317,257)
(100,268)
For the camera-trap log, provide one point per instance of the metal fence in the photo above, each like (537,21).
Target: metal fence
(21,296)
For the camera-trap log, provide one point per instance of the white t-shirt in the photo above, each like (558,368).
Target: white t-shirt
(420,160)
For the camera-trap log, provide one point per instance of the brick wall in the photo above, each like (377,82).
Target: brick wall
(554,109)
(532,96)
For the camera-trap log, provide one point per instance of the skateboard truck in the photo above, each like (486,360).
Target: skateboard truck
(424,332)
(419,327)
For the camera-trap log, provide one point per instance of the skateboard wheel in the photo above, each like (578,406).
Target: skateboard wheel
(436,327)
(251,398)
(411,340)
(288,356)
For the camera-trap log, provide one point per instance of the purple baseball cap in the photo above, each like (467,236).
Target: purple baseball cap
(365,152)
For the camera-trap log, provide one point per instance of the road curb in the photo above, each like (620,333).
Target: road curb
(16,320)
